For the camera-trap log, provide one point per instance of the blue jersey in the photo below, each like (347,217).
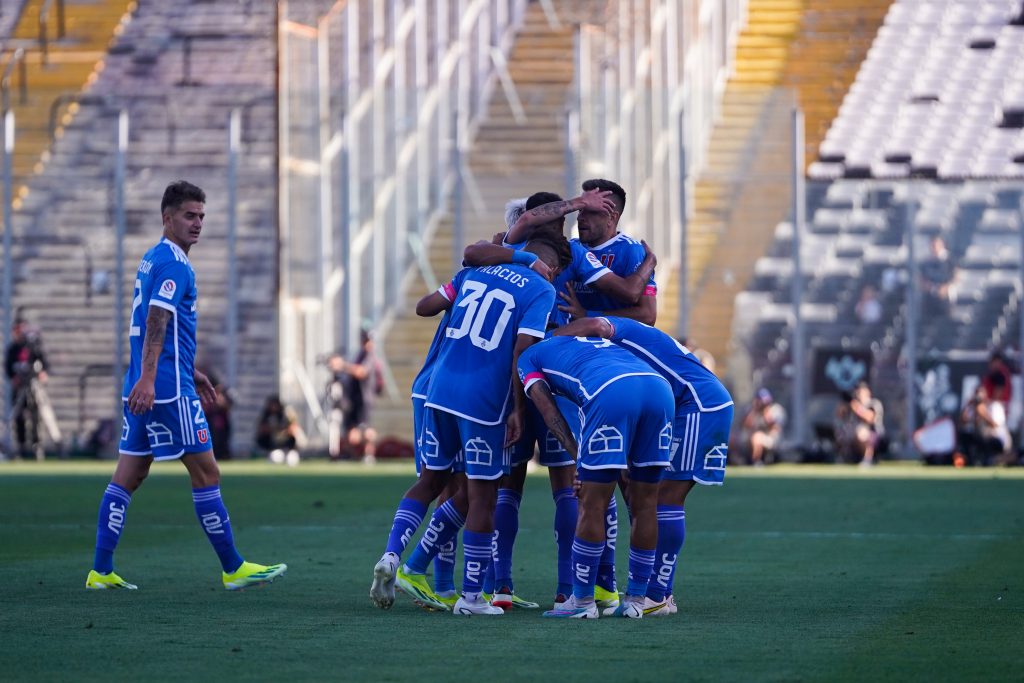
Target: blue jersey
(421,382)
(579,368)
(692,383)
(493,305)
(622,255)
(583,270)
(165,278)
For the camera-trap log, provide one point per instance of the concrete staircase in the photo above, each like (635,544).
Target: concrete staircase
(718,253)
(71,63)
(63,226)
(508,159)
(814,48)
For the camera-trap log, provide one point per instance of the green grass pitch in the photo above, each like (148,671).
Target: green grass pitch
(788,574)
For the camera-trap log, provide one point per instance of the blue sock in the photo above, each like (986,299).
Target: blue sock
(476,551)
(641,564)
(444,526)
(444,566)
(214,517)
(408,518)
(585,558)
(489,574)
(506,526)
(671,534)
(566,513)
(606,570)
(113,513)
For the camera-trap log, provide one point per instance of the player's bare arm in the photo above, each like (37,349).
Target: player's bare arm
(432,304)
(645,311)
(592,200)
(629,289)
(140,399)
(585,327)
(545,402)
(484,253)
(517,418)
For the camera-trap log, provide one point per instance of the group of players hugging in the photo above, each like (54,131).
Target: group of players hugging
(548,343)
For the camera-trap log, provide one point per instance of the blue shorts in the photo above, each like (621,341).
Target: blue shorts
(417,426)
(628,424)
(649,475)
(551,452)
(700,446)
(166,431)
(458,444)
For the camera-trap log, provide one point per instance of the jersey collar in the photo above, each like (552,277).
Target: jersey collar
(176,249)
(614,238)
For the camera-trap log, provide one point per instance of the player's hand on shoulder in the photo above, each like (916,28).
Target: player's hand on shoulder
(648,253)
(542,269)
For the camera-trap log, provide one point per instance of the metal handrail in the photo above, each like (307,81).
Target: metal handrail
(44,21)
(113,102)
(17,59)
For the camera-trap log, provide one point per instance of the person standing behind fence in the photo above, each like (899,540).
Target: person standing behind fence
(364,382)
(162,413)
(26,367)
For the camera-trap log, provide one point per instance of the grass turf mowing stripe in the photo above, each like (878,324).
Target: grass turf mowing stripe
(781,578)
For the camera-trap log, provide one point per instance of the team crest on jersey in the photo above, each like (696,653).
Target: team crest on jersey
(203,435)
(167,289)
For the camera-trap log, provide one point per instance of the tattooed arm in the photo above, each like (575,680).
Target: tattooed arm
(143,393)
(545,402)
(523,229)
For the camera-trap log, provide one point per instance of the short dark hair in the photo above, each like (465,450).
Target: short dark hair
(179,192)
(540,198)
(551,247)
(607,186)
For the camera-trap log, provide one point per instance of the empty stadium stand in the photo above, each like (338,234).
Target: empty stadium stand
(939,96)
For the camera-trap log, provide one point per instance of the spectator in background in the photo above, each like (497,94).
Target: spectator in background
(762,427)
(998,379)
(983,436)
(703,355)
(859,425)
(278,432)
(938,278)
(363,382)
(334,405)
(26,366)
(868,308)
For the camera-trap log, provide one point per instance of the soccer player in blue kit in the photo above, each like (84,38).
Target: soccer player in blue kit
(496,312)
(626,258)
(700,443)
(626,411)
(543,213)
(162,417)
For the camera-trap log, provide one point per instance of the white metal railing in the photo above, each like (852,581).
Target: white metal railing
(374,99)
(649,82)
